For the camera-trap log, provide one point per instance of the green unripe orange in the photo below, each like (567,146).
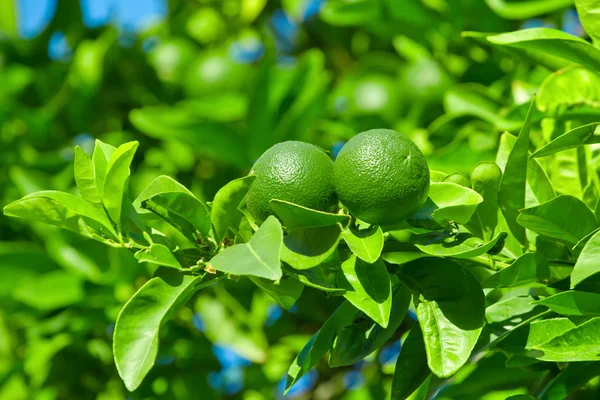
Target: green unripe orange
(381,176)
(297,172)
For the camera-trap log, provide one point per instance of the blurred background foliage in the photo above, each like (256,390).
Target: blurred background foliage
(206,86)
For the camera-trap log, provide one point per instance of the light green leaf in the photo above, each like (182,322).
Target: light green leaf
(511,197)
(509,309)
(286,292)
(85,178)
(573,303)
(525,270)
(50,291)
(158,254)
(453,202)
(187,207)
(587,264)
(570,86)
(224,212)
(569,380)
(485,178)
(368,288)
(316,278)
(350,12)
(307,248)
(589,15)
(162,184)
(581,343)
(320,343)
(448,347)
(551,48)
(411,367)
(564,218)
(61,209)
(135,339)
(526,9)
(100,157)
(259,257)
(402,257)
(454,288)
(219,141)
(577,137)
(366,244)
(357,341)
(462,245)
(117,177)
(8,18)
(295,216)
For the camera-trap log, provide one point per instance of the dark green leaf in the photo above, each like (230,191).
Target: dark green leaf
(187,207)
(286,292)
(411,367)
(162,184)
(569,380)
(307,248)
(320,343)
(525,270)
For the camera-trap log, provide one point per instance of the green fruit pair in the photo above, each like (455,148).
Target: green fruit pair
(380,175)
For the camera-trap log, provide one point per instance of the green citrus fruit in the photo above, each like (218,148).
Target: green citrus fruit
(214,72)
(297,172)
(381,176)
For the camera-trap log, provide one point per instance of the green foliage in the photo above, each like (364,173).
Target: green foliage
(489,284)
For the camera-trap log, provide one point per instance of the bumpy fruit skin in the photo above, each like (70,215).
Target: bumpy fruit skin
(293,171)
(381,176)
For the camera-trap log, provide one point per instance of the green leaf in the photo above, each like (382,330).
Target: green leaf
(8,18)
(548,47)
(448,347)
(295,216)
(50,291)
(454,288)
(453,202)
(259,257)
(100,157)
(60,209)
(224,212)
(564,218)
(570,86)
(316,278)
(286,292)
(570,380)
(307,248)
(117,177)
(577,137)
(587,263)
(85,178)
(320,343)
(366,244)
(187,207)
(162,184)
(589,15)
(411,367)
(581,343)
(158,254)
(509,309)
(219,141)
(511,197)
(402,257)
(462,245)
(573,303)
(350,12)
(485,178)
(368,288)
(526,9)
(176,221)
(525,270)
(135,339)
(355,342)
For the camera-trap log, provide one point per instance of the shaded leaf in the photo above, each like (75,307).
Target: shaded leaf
(285,293)
(411,367)
(295,216)
(224,211)
(525,270)
(587,263)
(307,248)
